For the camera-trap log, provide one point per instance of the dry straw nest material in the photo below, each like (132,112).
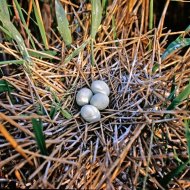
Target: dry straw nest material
(134,144)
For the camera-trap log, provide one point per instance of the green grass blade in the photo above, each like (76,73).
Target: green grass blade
(66,114)
(155,68)
(5,86)
(96,17)
(104,6)
(92,52)
(76,52)
(63,24)
(15,35)
(174,173)
(187,29)
(151,20)
(187,135)
(40,24)
(151,15)
(24,23)
(177,44)
(16,62)
(40,139)
(171,97)
(42,54)
(4,9)
(6,32)
(53,111)
(182,96)
(57,106)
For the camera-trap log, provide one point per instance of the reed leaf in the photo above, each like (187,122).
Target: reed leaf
(177,44)
(151,15)
(8,34)
(4,9)
(174,173)
(53,111)
(155,67)
(13,32)
(96,17)
(182,96)
(104,6)
(39,136)
(76,52)
(187,29)
(65,113)
(38,16)
(171,97)
(16,62)
(42,54)
(63,24)
(92,52)
(57,106)
(187,135)
(5,86)
(151,21)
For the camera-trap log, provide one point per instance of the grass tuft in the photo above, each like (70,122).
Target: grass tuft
(39,136)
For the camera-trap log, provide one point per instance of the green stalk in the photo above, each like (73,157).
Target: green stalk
(151,20)
(151,15)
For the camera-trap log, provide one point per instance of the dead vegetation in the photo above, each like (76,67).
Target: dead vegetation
(134,145)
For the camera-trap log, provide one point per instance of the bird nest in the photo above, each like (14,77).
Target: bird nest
(136,142)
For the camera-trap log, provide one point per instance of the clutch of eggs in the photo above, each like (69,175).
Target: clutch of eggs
(98,101)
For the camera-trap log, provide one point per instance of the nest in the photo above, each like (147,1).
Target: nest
(134,145)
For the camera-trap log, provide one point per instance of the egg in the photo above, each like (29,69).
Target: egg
(100,101)
(99,86)
(90,113)
(83,96)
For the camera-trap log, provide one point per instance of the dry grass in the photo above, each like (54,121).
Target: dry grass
(133,145)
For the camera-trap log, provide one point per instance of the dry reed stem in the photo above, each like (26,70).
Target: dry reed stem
(14,144)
